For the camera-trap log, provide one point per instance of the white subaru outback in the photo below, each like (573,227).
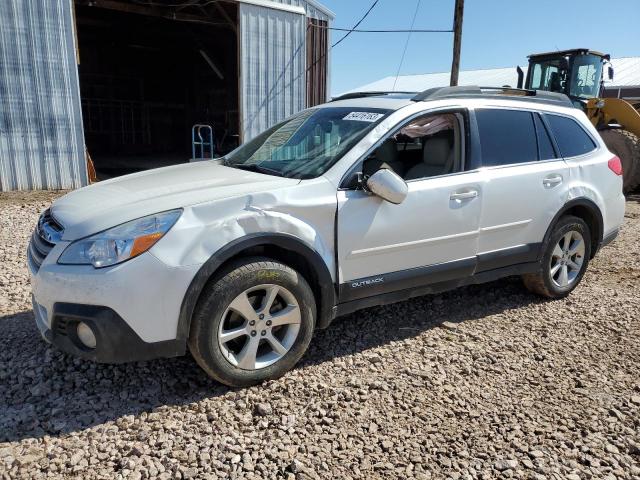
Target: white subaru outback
(370,199)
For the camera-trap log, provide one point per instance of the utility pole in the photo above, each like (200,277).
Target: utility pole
(457,41)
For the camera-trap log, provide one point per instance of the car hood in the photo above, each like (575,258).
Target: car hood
(106,204)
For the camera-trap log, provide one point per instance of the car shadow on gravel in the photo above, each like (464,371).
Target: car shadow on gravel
(376,326)
(46,392)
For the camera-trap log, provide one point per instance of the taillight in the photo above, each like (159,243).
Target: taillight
(615,165)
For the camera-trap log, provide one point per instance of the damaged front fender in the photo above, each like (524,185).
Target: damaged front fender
(210,234)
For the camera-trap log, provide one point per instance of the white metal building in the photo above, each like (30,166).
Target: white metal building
(125,80)
(626,82)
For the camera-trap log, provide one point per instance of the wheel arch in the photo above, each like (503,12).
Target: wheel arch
(278,246)
(588,211)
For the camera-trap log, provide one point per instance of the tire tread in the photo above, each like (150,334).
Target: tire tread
(223,281)
(536,282)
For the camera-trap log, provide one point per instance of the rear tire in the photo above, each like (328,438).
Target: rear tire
(566,256)
(252,324)
(626,146)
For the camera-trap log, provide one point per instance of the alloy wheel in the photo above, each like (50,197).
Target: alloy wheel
(259,327)
(567,259)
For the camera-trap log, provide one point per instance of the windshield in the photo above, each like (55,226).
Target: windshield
(307,144)
(585,76)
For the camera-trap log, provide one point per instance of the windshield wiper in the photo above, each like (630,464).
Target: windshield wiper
(253,167)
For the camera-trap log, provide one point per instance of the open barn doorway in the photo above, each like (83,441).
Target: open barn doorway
(149,71)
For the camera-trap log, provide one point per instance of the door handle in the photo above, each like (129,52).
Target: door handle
(552,181)
(468,195)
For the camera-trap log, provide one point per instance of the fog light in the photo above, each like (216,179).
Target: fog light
(86,335)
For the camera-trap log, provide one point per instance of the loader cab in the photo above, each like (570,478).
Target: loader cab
(576,73)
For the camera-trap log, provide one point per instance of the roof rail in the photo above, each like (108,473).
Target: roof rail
(540,96)
(349,96)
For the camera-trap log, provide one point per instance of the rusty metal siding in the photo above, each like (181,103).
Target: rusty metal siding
(272,67)
(317,61)
(41,135)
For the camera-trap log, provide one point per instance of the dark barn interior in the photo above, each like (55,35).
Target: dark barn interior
(148,73)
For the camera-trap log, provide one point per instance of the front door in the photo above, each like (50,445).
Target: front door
(431,237)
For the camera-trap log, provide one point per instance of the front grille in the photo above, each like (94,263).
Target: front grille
(48,232)
(61,326)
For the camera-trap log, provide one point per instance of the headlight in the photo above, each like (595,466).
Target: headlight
(120,243)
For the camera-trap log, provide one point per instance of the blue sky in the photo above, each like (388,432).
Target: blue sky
(497,33)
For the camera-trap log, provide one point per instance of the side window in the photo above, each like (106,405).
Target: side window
(425,147)
(506,137)
(545,147)
(571,138)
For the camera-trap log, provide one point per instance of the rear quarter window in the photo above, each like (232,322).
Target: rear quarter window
(571,138)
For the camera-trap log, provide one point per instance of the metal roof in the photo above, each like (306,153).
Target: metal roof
(319,6)
(627,73)
(313,8)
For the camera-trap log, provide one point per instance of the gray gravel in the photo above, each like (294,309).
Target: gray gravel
(483,382)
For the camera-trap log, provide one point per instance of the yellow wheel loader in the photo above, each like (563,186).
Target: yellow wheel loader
(578,73)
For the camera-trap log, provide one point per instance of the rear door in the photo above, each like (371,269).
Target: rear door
(526,185)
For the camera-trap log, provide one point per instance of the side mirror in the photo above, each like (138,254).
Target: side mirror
(388,186)
(610,73)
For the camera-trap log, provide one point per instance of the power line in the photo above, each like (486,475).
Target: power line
(350,31)
(324,54)
(404,52)
(386,31)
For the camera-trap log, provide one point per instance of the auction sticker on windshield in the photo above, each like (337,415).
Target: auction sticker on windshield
(364,116)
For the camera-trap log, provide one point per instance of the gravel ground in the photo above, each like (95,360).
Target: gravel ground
(483,382)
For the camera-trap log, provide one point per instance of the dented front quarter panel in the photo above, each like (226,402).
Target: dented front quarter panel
(305,211)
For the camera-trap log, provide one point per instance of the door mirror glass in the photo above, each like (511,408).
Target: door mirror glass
(388,186)
(610,73)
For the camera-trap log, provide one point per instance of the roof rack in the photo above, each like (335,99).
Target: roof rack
(349,96)
(540,96)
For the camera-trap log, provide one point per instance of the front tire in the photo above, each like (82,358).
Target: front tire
(254,323)
(566,256)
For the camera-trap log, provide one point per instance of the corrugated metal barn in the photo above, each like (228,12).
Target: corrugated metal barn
(124,81)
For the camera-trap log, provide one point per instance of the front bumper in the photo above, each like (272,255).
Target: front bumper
(133,308)
(116,341)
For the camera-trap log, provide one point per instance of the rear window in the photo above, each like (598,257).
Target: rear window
(506,137)
(571,138)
